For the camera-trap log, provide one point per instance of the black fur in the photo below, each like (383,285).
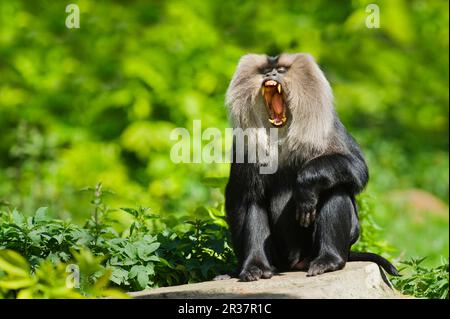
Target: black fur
(301,217)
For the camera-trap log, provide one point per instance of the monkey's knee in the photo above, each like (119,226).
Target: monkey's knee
(336,209)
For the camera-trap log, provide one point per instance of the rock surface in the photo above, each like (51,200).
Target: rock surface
(356,280)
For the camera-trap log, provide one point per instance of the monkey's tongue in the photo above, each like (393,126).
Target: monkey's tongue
(277,104)
(278,118)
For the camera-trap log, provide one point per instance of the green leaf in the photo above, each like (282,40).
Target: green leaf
(17,217)
(35,236)
(125,262)
(119,275)
(153,258)
(131,211)
(165,262)
(17,283)
(41,214)
(150,269)
(135,270)
(143,280)
(133,227)
(13,263)
(130,251)
(151,248)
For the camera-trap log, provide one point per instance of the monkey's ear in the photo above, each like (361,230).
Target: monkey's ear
(252,60)
(296,59)
(303,57)
(251,56)
(308,64)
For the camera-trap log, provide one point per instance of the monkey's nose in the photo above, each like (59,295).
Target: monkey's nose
(271,73)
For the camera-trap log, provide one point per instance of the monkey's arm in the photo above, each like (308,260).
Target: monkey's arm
(347,171)
(325,172)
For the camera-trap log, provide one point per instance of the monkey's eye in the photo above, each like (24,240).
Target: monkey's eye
(265,70)
(282,69)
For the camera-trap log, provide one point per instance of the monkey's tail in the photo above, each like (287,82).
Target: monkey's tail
(380,261)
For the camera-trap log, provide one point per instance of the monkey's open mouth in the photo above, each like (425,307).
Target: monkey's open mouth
(272,94)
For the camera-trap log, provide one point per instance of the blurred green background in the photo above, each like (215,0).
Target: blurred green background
(78,106)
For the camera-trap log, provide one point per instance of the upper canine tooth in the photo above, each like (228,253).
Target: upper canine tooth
(279,88)
(263,90)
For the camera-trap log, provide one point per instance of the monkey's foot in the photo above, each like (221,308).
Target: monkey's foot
(253,273)
(324,264)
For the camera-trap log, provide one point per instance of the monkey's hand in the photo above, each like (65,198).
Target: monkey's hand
(306,202)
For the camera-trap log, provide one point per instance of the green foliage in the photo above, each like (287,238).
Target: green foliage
(202,252)
(136,259)
(424,282)
(133,260)
(49,280)
(370,232)
(416,280)
(99,102)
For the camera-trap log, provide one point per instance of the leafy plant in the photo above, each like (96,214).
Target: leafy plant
(39,237)
(132,261)
(423,282)
(95,223)
(195,255)
(135,259)
(50,280)
(138,257)
(370,239)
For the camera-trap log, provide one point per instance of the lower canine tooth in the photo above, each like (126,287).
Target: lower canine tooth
(277,122)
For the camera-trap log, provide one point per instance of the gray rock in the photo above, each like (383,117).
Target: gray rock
(356,280)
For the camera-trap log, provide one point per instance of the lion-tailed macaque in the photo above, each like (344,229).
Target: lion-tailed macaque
(303,216)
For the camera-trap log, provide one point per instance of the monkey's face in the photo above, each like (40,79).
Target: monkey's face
(277,91)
